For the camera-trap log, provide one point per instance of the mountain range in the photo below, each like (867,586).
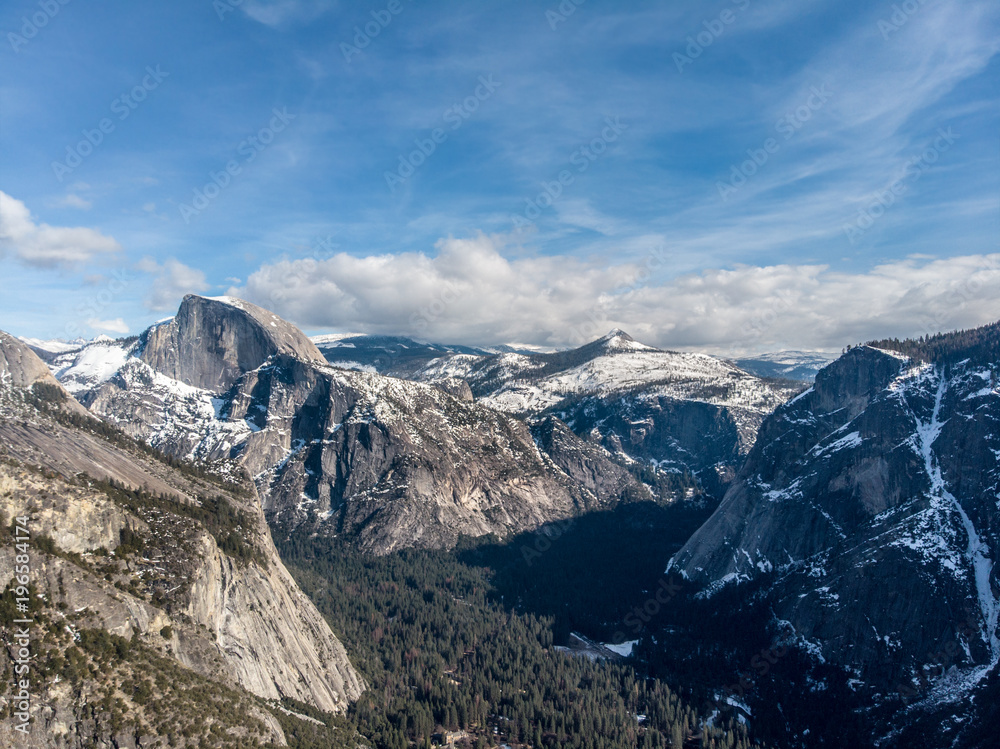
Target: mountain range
(850,507)
(450,452)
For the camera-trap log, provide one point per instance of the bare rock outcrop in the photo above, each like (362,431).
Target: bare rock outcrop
(211,342)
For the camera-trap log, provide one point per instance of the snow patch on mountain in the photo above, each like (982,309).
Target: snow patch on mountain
(184,414)
(85,368)
(696,377)
(54,346)
(977,551)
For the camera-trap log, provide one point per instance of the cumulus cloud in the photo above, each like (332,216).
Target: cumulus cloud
(47,246)
(118,325)
(172,280)
(470,292)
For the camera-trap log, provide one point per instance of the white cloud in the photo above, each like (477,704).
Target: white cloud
(72,200)
(280,12)
(172,281)
(118,325)
(471,293)
(44,245)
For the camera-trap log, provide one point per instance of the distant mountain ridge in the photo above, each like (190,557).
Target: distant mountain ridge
(791,365)
(678,420)
(397,356)
(676,413)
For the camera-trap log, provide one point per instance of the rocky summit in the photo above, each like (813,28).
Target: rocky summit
(212,342)
(679,413)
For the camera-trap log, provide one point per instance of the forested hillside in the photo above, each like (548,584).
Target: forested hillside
(441,653)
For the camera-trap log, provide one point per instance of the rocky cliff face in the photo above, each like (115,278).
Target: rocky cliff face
(587,464)
(211,342)
(868,509)
(19,366)
(139,549)
(387,462)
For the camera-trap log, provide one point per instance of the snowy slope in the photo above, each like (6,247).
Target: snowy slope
(661,411)
(86,367)
(386,462)
(54,346)
(390,355)
(616,363)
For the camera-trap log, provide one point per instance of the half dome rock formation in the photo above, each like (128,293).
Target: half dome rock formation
(211,342)
(388,463)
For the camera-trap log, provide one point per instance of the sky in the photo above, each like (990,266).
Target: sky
(734,177)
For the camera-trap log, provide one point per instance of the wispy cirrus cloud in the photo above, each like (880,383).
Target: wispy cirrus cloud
(656,185)
(282,12)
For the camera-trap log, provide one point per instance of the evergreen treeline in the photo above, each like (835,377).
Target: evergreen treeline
(438,651)
(980,345)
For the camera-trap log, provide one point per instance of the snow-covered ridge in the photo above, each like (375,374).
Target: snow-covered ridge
(793,365)
(518,383)
(87,367)
(332,339)
(54,346)
(231,301)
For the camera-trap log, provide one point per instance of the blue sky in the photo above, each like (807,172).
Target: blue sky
(729,176)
